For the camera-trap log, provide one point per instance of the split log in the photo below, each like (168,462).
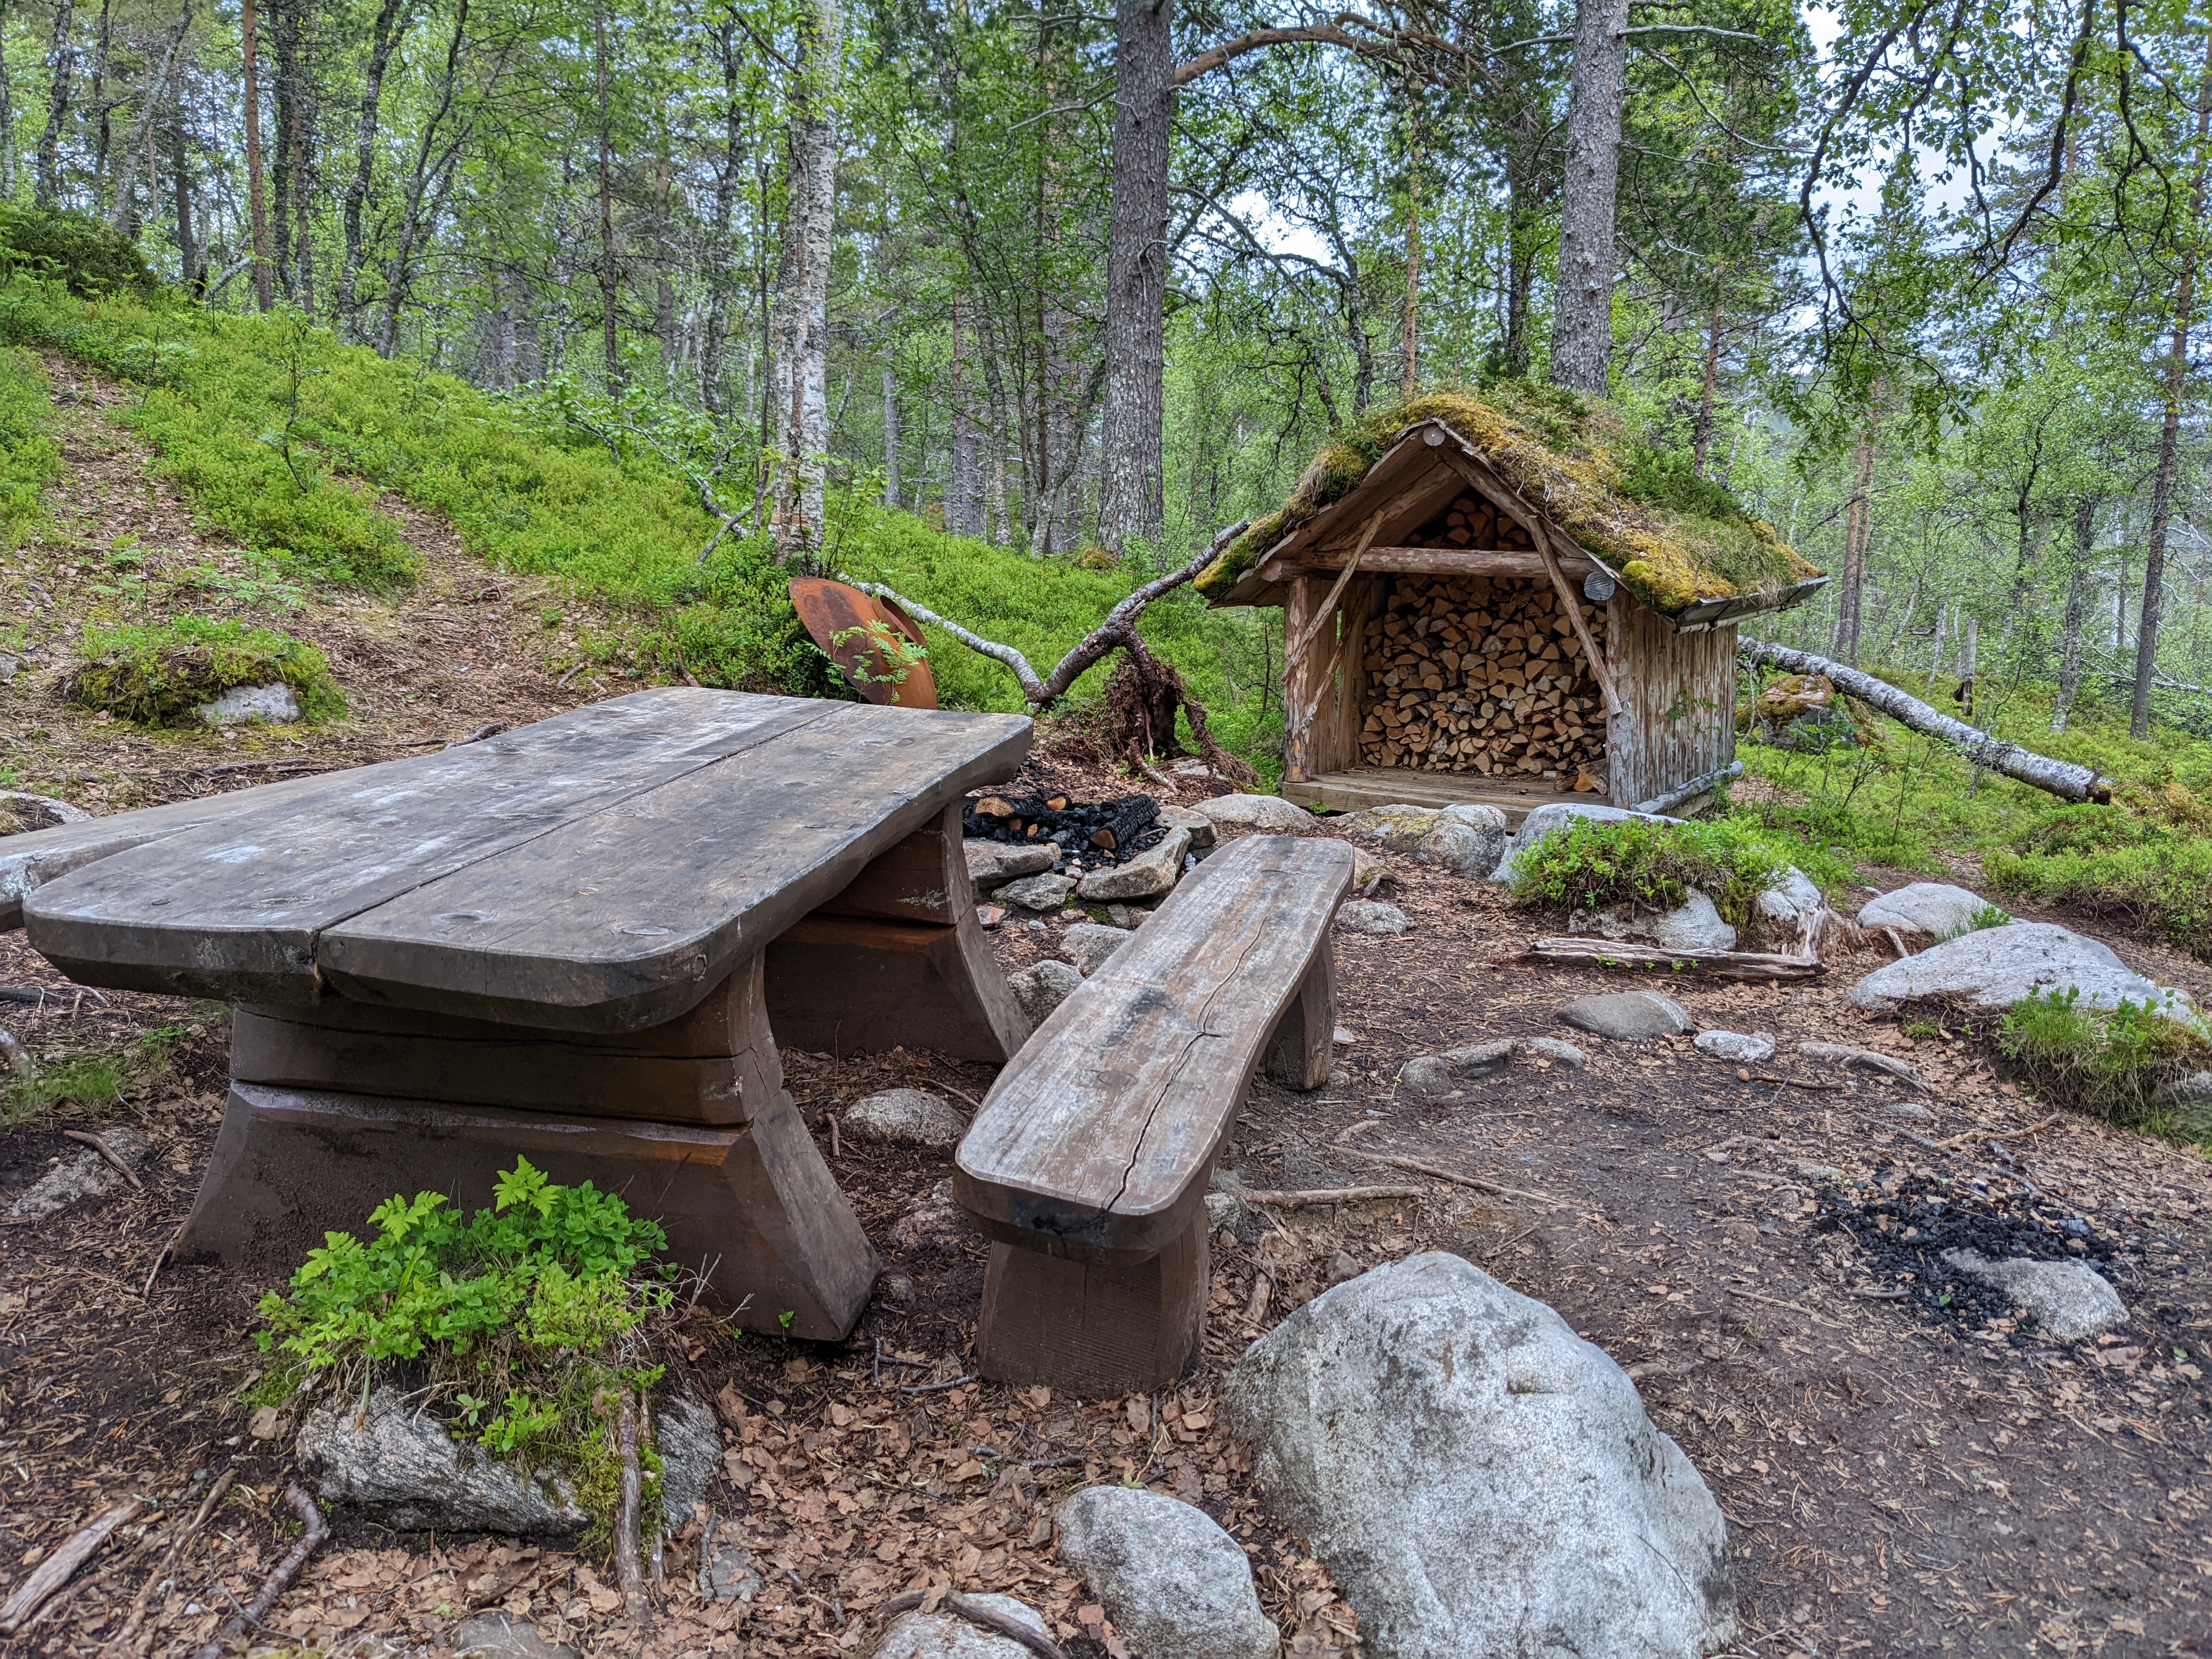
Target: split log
(55,1571)
(1690,790)
(1761,965)
(2061,778)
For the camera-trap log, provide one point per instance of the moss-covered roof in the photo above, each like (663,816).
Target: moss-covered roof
(1674,538)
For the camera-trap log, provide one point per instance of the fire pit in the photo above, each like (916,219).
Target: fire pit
(1095,833)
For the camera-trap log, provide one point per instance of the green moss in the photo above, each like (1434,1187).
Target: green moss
(1676,539)
(160,674)
(86,255)
(2111,1061)
(1589,865)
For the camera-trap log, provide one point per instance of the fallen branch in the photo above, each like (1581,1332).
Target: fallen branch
(1761,965)
(113,1158)
(160,1255)
(35,996)
(170,1557)
(1690,790)
(1302,1201)
(627,1566)
(2062,778)
(1414,1166)
(56,1569)
(1042,694)
(278,1581)
(976,1614)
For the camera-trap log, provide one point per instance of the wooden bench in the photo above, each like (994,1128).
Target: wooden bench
(1087,1165)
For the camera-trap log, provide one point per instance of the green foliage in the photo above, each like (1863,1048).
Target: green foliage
(86,255)
(92,1084)
(30,459)
(158,673)
(1589,865)
(2111,1061)
(2109,862)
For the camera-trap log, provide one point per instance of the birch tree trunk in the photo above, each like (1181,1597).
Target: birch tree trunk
(63,58)
(151,97)
(963,495)
(391,27)
(2077,613)
(257,202)
(1850,583)
(1132,502)
(7,118)
(891,438)
(801,395)
(1582,326)
(609,275)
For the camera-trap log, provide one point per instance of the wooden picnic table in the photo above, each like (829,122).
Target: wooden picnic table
(579,942)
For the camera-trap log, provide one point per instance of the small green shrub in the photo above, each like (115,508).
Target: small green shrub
(527,1317)
(159,674)
(87,255)
(2111,1061)
(2154,878)
(1983,916)
(30,459)
(1589,865)
(92,1084)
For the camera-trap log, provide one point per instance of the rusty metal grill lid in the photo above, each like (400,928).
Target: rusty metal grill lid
(868,639)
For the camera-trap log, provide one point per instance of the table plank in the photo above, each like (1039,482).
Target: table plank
(623,918)
(1094,1131)
(232,908)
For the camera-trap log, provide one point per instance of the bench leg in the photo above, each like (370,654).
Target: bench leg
(1299,1050)
(1094,1330)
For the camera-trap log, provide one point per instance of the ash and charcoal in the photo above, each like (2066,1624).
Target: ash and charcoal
(1097,832)
(1903,1225)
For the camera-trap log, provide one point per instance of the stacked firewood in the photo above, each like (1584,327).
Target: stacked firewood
(1482,674)
(1471,521)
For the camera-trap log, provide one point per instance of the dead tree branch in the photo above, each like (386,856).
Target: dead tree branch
(250,1615)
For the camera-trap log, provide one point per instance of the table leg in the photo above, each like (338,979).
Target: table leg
(1094,1328)
(1301,1046)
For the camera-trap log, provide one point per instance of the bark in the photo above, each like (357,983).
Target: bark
(2169,435)
(284,47)
(180,182)
(2062,778)
(713,345)
(610,278)
(61,57)
(964,495)
(1133,500)
(1523,242)
(7,118)
(439,148)
(151,99)
(101,51)
(2077,613)
(1858,524)
(257,201)
(891,438)
(1412,328)
(1581,327)
(391,27)
(1707,393)
(802,309)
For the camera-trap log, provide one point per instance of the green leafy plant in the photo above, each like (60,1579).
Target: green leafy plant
(1589,865)
(1983,916)
(160,674)
(93,1083)
(894,655)
(2111,1061)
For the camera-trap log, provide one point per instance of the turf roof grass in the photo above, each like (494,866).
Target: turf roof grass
(1675,537)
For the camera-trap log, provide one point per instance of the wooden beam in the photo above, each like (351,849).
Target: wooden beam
(1572,603)
(1428,562)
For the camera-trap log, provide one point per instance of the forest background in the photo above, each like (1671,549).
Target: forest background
(1015,306)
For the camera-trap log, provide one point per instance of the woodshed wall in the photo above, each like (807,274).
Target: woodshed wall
(1678,702)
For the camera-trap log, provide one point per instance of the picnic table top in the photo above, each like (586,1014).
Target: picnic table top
(599,870)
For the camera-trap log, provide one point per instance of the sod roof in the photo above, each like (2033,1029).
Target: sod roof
(1675,539)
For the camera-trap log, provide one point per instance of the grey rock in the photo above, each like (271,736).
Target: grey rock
(1792,897)
(1812,1171)
(1841,1053)
(1479,1480)
(729,1574)
(1559,1053)
(251,705)
(1466,838)
(1036,892)
(992,862)
(2193,1089)
(1996,967)
(932,1219)
(689,1441)
(1151,873)
(502,1636)
(1465,849)
(1371,916)
(1480,1058)
(905,1117)
(1223,1210)
(1255,812)
(1557,815)
(1043,988)
(2069,1299)
(1173,1583)
(1933,908)
(21,811)
(1367,870)
(1199,825)
(1086,944)
(1629,1016)
(1693,925)
(1427,1075)
(1743,1048)
(407,1472)
(948,1636)
(80,1176)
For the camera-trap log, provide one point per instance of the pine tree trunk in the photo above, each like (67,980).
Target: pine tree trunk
(2169,435)
(284,43)
(1412,327)
(1581,327)
(964,495)
(63,58)
(180,182)
(1707,393)
(2077,613)
(256,200)
(1859,525)
(802,327)
(1132,502)
(713,347)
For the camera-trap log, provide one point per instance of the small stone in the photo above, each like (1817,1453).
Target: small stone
(1746,1048)
(1367,871)
(1908,1109)
(1841,1053)
(1045,892)
(1692,928)
(1087,944)
(1043,988)
(1792,897)
(80,1176)
(1812,1171)
(919,1635)
(1628,1015)
(1151,873)
(2069,1299)
(1371,916)
(1480,1058)
(2191,1089)
(1255,812)
(932,1219)
(1344,1039)
(251,705)
(729,1574)
(503,1635)
(1199,825)
(991,862)
(905,1117)
(897,1288)
(1223,1210)
(1429,1075)
(1559,1053)
(1342,1267)
(1931,907)
(1176,1585)
(21,810)
(989,915)
(1124,916)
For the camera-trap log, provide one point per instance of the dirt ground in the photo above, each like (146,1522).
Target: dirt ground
(1902,1474)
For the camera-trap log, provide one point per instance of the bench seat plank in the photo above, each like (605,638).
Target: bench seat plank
(1096,1139)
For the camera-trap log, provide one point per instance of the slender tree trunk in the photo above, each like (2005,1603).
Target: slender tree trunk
(62,60)
(609,276)
(284,45)
(714,332)
(890,437)
(7,118)
(1708,391)
(103,44)
(180,182)
(301,141)
(1133,502)
(257,201)
(1581,327)
(153,97)
(2169,435)
(2077,613)
(1412,327)
(802,334)
(391,20)
(964,498)
(1859,525)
